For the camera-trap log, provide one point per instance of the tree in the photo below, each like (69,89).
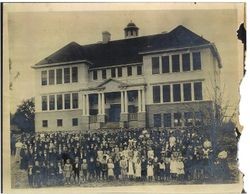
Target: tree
(24,117)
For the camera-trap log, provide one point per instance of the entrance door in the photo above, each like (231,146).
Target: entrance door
(114,113)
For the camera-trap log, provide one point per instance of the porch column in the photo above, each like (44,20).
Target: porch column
(143,100)
(139,100)
(83,105)
(122,102)
(103,103)
(87,104)
(126,101)
(99,104)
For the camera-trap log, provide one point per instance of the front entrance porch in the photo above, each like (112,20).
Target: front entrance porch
(104,109)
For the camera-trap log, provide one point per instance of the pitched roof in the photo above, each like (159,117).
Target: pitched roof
(124,51)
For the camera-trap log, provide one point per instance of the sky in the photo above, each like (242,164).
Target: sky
(34,33)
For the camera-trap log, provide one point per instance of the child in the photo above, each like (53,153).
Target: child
(138,169)
(162,167)
(30,175)
(59,175)
(130,169)
(91,168)
(76,170)
(104,167)
(84,169)
(150,170)
(123,166)
(110,165)
(98,169)
(52,174)
(36,175)
(67,171)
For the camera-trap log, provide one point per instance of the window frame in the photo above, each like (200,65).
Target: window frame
(113,72)
(159,118)
(94,75)
(74,75)
(51,77)
(104,74)
(174,93)
(139,69)
(52,102)
(195,65)
(166,97)
(198,93)
(46,101)
(156,89)
(57,101)
(186,66)
(66,75)
(68,100)
(155,61)
(119,71)
(165,66)
(58,74)
(129,71)
(174,70)
(59,122)
(179,124)
(45,123)
(166,121)
(44,78)
(74,122)
(75,98)
(185,92)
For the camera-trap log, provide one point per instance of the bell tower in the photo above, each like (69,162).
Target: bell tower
(131,31)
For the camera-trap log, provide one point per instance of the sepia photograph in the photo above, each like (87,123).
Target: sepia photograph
(124,97)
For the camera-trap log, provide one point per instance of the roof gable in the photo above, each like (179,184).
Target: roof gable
(124,51)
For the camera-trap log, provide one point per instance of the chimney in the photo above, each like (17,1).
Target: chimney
(106,36)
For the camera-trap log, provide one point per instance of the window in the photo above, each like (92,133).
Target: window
(44,103)
(166,93)
(51,102)
(139,69)
(66,75)
(186,62)
(66,101)
(157,120)
(59,76)
(175,63)
(155,65)
(119,71)
(167,120)
(75,122)
(188,117)
(45,123)
(196,61)
(59,102)
(59,122)
(104,74)
(75,100)
(165,64)
(187,92)
(198,91)
(177,119)
(44,78)
(51,77)
(198,118)
(156,94)
(74,74)
(177,92)
(94,74)
(113,72)
(129,70)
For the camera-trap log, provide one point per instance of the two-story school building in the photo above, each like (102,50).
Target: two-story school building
(161,80)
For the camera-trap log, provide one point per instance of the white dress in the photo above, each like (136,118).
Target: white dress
(131,168)
(138,169)
(150,170)
(110,169)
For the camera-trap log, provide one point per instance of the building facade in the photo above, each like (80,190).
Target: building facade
(162,80)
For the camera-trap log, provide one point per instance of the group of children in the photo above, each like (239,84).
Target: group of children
(61,158)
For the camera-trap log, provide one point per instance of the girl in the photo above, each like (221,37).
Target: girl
(84,169)
(123,166)
(110,165)
(67,171)
(130,169)
(138,169)
(150,170)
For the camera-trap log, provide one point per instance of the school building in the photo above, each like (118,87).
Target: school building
(160,80)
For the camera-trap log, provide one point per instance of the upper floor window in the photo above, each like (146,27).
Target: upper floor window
(187,91)
(75,100)
(44,78)
(177,92)
(51,77)
(66,75)
(75,122)
(74,74)
(166,93)
(119,71)
(94,74)
(129,70)
(156,94)
(51,102)
(44,103)
(198,91)
(155,65)
(113,72)
(175,63)
(59,102)
(66,101)
(139,69)
(186,62)
(45,123)
(59,122)
(165,64)
(59,76)
(196,60)
(104,74)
